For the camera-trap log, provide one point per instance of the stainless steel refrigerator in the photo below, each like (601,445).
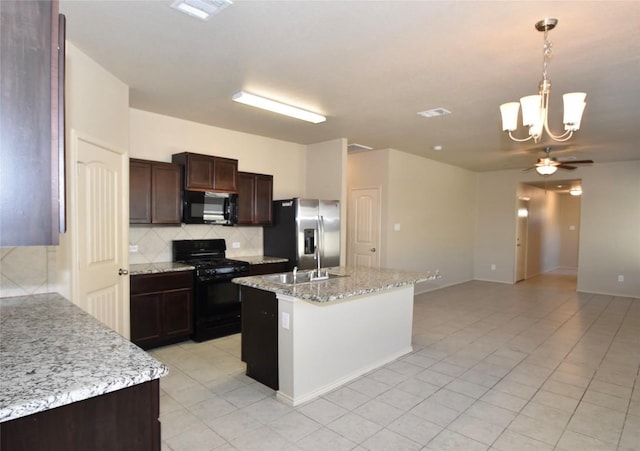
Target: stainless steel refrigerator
(299,225)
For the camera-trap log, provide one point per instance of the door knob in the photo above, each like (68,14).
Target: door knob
(373,249)
(123,272)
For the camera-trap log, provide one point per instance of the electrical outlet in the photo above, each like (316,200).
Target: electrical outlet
(493,267)
(396,227)
(285,320)
(620,278)
(235,245)
(133,248)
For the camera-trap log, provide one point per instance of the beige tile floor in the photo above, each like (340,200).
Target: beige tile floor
(531,366)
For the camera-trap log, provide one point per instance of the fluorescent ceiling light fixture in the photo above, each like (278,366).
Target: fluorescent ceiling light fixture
(277,107)
(355,147)
(434,112)
(202,9)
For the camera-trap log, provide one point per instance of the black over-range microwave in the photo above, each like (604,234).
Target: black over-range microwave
(210,208)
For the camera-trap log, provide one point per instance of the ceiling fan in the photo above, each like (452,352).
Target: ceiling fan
(549,165)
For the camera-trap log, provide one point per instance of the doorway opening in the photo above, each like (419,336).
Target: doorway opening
(548,231)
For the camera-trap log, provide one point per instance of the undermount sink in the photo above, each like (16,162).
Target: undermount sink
(287,278)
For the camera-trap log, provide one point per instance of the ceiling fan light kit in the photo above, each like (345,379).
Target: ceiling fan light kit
(549,165)
(535,108)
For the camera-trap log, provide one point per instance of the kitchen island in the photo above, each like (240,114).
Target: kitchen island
(69,382)
(332,331)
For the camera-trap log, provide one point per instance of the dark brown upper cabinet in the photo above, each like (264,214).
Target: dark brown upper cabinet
(255,196)
(32,122)
(208,173)
(154,192)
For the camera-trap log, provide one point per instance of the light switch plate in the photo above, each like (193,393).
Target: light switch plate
(133,248)
(235,245)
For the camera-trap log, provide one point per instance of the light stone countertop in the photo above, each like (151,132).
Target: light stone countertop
(260,259)
(52,353)
(157,268)
(359,281)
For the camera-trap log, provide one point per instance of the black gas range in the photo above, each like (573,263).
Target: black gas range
(216,298)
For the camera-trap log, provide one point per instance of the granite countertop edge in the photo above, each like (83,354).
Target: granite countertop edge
(357,281)
(137,269)
(70,356)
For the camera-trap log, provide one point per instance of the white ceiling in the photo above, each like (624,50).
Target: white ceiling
(370,66)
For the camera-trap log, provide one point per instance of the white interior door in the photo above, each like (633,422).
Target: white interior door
(364,227)
(102,233)
(521,239)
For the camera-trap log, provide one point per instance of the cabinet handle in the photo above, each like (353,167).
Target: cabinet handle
(373,249)
(123,272)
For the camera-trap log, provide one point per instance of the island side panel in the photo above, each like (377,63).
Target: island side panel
(330,344)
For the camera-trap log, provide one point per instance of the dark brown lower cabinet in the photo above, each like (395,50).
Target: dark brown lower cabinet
(260,335)
(161,308)
(268,268)
(124,420)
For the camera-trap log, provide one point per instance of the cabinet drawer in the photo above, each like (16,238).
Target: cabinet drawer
(152,283)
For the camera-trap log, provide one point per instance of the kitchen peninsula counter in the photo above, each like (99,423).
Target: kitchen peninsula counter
(55,356)
(307,339)
(356,281)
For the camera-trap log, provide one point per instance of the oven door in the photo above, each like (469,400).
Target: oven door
(217,307)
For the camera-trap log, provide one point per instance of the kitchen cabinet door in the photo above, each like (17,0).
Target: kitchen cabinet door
(146,319)
(31,142)
(263,199)
(246,197)
(165,193)
(255,195)
(225,175)
(154,192)
(199,172)
(139,192)
(161,308)
(177,316)
(268,268)
(208,173)
(259,346)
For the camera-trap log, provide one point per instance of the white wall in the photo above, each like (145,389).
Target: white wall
(569,221)
(610,225)
(326,178)
(434,205)
(609,238)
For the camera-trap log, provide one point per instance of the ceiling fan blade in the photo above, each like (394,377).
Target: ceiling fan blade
(580,162)
(567,167)
(528,169)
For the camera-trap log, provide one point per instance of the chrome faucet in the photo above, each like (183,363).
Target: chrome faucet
(318,260)
(295,273)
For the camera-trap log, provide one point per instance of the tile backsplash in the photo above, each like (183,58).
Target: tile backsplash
(32,269)
(154,243)
(27,270)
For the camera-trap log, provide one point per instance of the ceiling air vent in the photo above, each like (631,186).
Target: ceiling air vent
(434,112)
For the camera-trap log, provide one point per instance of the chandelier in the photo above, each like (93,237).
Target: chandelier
(535,108)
